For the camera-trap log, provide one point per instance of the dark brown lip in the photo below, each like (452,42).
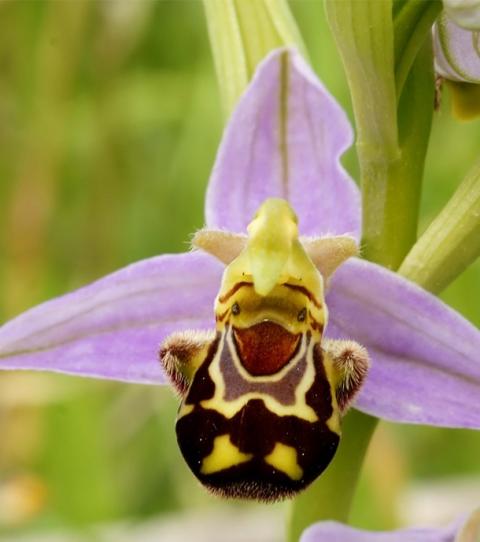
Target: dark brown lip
(265,348)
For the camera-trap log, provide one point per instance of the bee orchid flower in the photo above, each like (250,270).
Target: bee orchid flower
(283,141)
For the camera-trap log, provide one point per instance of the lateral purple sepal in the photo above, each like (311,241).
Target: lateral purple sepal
(112,328)
(425,356)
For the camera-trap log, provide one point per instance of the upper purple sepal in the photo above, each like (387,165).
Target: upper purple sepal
(285,139)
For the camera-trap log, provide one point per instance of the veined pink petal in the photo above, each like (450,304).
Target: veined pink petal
(425,356)
(113,328)
(461,530)
(285,139)
(457,51)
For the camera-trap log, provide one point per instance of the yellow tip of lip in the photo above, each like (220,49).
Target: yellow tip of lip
(284,459)
(223,456)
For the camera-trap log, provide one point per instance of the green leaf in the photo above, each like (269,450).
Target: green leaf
(242,33)
(413,20)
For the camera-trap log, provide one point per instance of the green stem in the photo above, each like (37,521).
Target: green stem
(391,148)
(331,495)
(391,192)
(363,32)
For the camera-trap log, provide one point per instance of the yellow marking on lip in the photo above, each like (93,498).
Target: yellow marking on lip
(299,408)
(334,422)
(284,459)
(223,456)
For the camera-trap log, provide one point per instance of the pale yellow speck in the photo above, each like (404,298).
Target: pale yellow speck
(224,455)
(184,410)
(284,458)
(333,423)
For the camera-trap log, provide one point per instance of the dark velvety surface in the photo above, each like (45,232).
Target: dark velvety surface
(255,430)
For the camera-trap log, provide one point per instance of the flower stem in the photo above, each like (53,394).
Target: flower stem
(451,242)
(391,147)
(363,32)
(391,191)
(331,495)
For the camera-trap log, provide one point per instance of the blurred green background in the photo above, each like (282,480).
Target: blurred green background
(109,123)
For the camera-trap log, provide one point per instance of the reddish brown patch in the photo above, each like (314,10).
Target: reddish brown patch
(265,348)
